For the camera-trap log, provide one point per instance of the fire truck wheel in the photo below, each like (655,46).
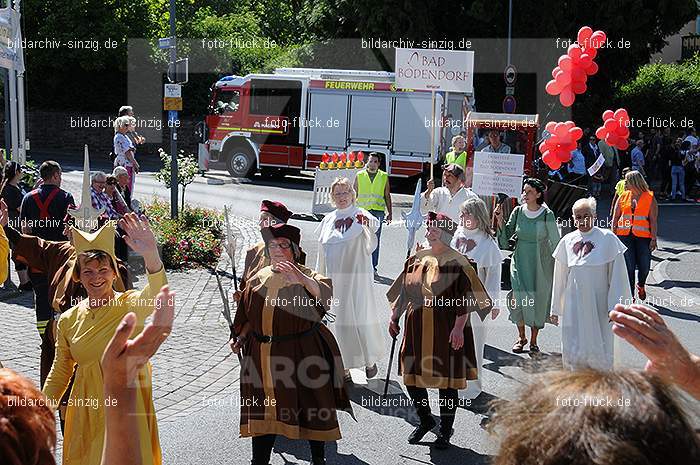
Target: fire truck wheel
(240,163)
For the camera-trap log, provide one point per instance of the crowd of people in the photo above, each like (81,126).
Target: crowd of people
(301,331)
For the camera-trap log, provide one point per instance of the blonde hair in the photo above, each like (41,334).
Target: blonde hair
(635,180)
(457,137)
(588,203)
(121,122)
(346,182)
(476,207)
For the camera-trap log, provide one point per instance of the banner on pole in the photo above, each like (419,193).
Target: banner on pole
(11,53)
(437,70)
(496,173)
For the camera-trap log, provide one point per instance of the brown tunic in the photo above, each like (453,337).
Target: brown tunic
(255,259)
(291,387)
(436,290)
(56,259)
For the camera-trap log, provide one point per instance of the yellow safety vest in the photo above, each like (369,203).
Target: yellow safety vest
(370,194)
(460,159)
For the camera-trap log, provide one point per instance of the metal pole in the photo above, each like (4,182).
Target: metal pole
(20,120)
(8,121)
(173,129)
(510,26)
(13,114)
(432,140)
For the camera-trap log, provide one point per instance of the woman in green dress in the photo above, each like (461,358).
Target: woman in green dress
(532,265)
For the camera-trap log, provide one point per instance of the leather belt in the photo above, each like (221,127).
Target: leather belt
(265,339)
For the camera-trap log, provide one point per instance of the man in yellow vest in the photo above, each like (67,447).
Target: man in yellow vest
(458,155)
(374,195)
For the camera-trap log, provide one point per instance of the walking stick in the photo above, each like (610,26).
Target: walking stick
(227,310)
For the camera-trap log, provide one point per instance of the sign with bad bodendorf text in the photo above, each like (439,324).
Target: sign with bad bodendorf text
(438,70)
(496,173)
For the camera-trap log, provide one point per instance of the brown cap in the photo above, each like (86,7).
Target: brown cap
(276,209)
(281,230)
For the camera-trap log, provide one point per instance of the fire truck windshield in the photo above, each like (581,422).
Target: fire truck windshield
(226,102)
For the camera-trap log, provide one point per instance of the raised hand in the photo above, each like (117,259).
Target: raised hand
(138,233)
(123,358)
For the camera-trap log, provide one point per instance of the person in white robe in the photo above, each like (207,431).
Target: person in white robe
(475,240)
(590,278)
(346,241)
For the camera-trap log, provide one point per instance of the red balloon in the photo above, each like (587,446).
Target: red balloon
(567,97)
(612,139)
(592,69)
(620,113)
(623,144)
(565,63)
(610,125)
(584,34)
(574,52)
(607,114)
(551,161)
(598,39)
(549,127)
(601,133)
(576,133)
(553,88)
(578,87)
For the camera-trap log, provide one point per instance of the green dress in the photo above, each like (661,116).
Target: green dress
(532,265)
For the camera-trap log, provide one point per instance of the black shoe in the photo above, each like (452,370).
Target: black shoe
(26,286)
(421,430)
(443,439)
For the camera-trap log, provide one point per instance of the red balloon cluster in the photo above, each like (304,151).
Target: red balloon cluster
(615,129)
(574,68)
(558,147)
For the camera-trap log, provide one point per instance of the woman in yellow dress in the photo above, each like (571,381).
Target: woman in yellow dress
(85,330)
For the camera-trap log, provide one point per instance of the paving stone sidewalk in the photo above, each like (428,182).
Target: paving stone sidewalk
(192,368)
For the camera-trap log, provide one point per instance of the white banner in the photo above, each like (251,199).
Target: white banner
(496,173)
(595,167)
(492,184)
(11,55)
(439,70)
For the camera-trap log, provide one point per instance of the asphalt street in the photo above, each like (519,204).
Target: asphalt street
(379,435)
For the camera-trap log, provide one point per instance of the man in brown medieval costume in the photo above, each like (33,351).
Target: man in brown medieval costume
(437,290)
(292,371)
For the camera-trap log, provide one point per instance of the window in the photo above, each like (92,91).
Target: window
(275,97)
(226,102)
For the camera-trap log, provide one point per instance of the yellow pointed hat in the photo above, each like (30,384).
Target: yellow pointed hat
(102,240)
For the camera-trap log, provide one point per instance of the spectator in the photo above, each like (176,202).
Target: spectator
(115,197)
(458,154)
(122,176)
(635,221)
(577,164)
(638,161)
(12,193)
(691,136)
(591,152)
(494,143)
(591,417)
(124,150)
(612,164)
(644,328)
(678,170)
(689,168)
(42,213)
(136,139)
(532,227)
(100,200)
(667,152)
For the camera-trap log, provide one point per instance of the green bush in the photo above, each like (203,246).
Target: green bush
(194,239)
(663,91)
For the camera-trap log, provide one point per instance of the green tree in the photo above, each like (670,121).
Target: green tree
(664,90)
(187,169)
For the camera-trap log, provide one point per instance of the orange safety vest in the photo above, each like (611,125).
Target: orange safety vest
(638,222)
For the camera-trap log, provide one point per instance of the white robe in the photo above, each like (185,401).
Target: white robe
(346,258)
(482,249)
(585,288)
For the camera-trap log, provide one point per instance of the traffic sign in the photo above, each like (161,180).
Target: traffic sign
(510,74)
(172,117)
(509,104)
(172,97)
(165,42)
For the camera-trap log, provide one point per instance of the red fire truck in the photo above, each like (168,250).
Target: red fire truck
(287,120)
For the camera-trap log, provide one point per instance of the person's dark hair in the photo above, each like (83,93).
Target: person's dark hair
(90,255)
(377,155)
(685,145)
(591,417)
(538,186)
(48,169)
(10,171)
(111,180)
(27,423)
